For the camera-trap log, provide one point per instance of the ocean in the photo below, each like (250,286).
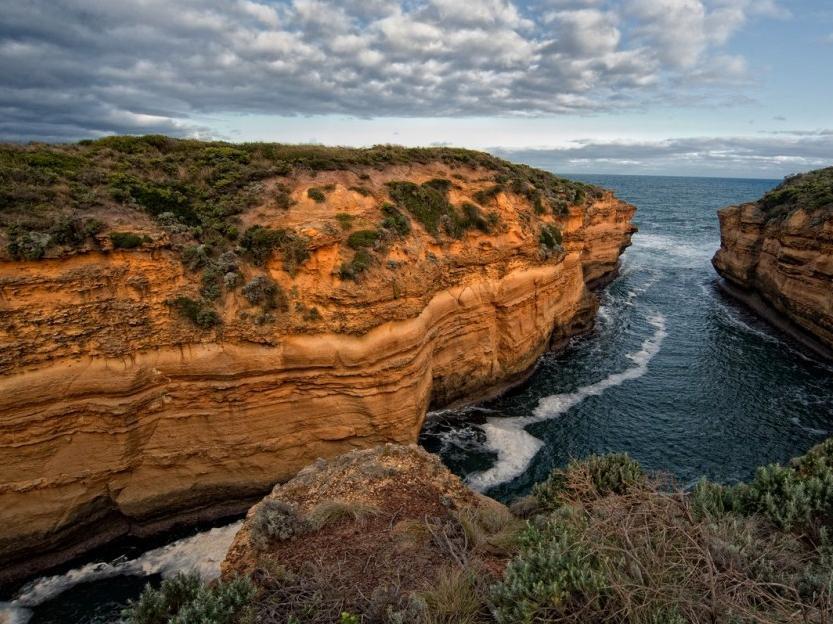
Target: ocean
(675,373)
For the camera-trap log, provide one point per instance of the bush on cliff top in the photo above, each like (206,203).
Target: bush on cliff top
(811,191)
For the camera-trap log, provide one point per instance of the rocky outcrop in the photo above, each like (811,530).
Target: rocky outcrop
(118,415)
(368,530)
(777,256)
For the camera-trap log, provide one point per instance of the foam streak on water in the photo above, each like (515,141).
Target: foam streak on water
(202,553)
(516,447)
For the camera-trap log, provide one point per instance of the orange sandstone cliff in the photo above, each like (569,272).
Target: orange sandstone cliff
(777,256)
(138,389)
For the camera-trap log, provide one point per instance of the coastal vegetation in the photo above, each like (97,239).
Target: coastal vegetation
(812,191)
(192,196)
(600,540)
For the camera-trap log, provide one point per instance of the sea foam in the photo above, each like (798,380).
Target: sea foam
(516,447)
(202,553)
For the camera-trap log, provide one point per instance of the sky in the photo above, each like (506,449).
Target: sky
(731,88)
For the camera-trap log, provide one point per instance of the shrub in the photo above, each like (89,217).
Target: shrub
(265,292)
(395,221)
(425,202)
(259,242)
(211,286)
(362,238)
(344,220)
(27,245)
(195,257)
(552,576)
(592,477)
(361,190)
(199,312)
(283,199)
(550,237)
(317,195)
(125,240)
(184,599)
(276,521)
(359,264)
(488,195)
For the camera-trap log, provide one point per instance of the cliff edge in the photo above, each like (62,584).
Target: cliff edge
(184,324)
(776,254)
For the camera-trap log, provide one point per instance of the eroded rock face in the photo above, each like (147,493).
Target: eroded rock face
(117,416)
(782,265)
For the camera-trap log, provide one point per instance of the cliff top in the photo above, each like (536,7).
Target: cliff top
(55,199)
(812,192)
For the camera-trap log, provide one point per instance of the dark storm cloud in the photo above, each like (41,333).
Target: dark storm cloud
(71,68)
(772,155)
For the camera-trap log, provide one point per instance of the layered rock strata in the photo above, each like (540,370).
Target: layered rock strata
(119,416)
(777,256)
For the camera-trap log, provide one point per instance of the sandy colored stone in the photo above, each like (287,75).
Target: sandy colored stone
(117,416)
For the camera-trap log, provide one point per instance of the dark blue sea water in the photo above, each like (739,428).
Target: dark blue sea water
(676,374)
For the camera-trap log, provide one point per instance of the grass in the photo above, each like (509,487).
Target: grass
(330,512)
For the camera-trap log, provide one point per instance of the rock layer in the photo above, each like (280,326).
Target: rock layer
(782,266)
(118,417)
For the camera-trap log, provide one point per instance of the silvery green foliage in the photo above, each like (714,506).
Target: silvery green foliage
(797,496)
(276,521)
(184,599)
(552,574)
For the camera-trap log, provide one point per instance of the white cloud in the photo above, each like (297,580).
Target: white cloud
(65,67)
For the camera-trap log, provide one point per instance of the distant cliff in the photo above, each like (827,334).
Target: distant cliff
(777,255)
(184,324)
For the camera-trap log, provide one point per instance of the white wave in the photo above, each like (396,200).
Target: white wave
(515,447)
(691,252)
(202,553)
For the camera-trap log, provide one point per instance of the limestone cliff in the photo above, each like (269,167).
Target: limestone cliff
(161,363)
(777,255)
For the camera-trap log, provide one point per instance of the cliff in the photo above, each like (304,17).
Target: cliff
(777,255)
(185,324)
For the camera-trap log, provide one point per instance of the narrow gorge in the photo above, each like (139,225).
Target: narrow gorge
(185,324)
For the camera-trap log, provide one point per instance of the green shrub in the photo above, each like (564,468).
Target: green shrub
(361,190)
(317,195)
(344,220)
(359,264)
(488,195)
(552,576)
(200,313)
(395,221)
(550,237)
(275,520)
(266,293)
(425,202)
(258,243)
(592,477)
(184,599)
(27,245)
(125,240)
(362,238)
(211,286)
(283,199)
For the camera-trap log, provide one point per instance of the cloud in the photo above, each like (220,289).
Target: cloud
(74,68)
(773,155)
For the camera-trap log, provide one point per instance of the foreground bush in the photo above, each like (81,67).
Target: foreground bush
(185,599)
